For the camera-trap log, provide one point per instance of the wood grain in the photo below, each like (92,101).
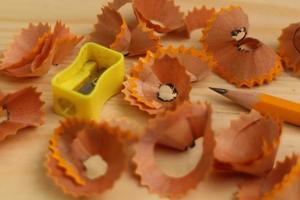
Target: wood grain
(22,172)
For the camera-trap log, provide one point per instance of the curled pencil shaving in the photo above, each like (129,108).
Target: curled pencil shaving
(280,183)
(41,63)
(249,190)
(23,109)
(194,61)
(198,18)
(161,15)
(126,129)
(143,39)
(135,87)
(117,36)
(123,39)
(190,58)
(256,138)
(152,76)
(63,157)
(133,100)
(234,25)
(117,4)
(74,124)
(289,47)
(245,62)
(36,48)
(142,70)
(180,128)
(64,42)
(283,181)
(25,46)
(74,142)
(158,182)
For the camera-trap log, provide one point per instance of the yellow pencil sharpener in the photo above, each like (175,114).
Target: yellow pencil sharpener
(82,88)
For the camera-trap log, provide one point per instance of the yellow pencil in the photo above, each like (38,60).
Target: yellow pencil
(286,110)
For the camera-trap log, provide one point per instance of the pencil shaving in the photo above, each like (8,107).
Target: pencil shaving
(128,96)
(75,141)
(25,46)
(188,121)
(256,138)
(134,101)
(118,36)
(161,15)
(198,18)
(117,4)
(36,49)
(280,183)
(35,41)
(65,42)
(135,89)
(194,61)
(143,39)
(70,169)
(289,47)
(158,182)
(23,108)
(126,129)
(245,62)
(41,64)
(158,83)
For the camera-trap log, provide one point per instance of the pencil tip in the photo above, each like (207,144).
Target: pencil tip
(219,90)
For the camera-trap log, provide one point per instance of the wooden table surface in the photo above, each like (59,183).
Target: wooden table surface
(22,174)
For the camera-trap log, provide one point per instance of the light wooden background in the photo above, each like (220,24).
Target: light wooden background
(22,175)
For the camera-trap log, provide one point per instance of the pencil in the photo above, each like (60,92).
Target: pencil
(286,110)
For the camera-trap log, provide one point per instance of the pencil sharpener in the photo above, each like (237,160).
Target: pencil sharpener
(83,87)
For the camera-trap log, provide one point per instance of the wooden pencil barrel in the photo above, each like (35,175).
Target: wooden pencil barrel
(286,110)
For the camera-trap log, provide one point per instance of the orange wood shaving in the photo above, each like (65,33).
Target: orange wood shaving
(257,139)
(161,15)
(24,109)
(194,61)
(36,49)
(117,36)
(64,43)
(152,72)
(74,142)
(25,46)
(198,18)
(181,127)
(280,183)
(123,39)
(256,65)
(42,62)
(158,182)
(289,47)
(135,87)
(117,4)
(55,145)
(126,129)
(143,39)
(133,100)
(131,42)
